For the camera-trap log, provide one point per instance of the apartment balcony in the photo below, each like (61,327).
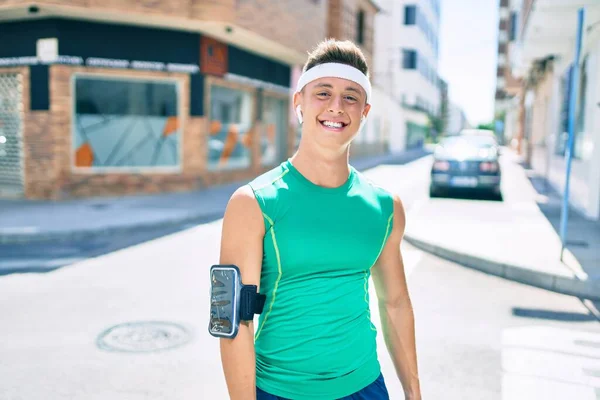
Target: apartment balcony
(549,28)
(283,29)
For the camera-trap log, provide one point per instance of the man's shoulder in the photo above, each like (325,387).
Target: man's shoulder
(373,186)
(268,179)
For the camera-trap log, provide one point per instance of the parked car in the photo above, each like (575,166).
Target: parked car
(466,161)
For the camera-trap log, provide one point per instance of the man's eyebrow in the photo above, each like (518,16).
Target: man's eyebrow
(349,88)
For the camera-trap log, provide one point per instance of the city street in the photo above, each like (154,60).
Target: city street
(479,337)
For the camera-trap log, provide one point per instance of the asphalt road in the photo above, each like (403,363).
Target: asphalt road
(479,337)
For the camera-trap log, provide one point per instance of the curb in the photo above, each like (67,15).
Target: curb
(36,238)
(585,289)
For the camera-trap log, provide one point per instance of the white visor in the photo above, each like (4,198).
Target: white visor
(335,70)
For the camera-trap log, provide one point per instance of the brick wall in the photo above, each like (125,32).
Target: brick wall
(36,146)
(297,24)
(343,24)
(213,10)
(48,154)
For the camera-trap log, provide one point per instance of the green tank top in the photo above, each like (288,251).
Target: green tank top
(314,338)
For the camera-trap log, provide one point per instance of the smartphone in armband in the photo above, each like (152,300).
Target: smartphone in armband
(231,301)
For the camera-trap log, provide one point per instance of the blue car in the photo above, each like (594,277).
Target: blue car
(466,162)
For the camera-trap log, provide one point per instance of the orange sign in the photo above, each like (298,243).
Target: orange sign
(213,56)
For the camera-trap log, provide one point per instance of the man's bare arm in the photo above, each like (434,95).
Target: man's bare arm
(242,245)
(395,308)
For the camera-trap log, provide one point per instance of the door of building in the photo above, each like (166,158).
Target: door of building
(11,127)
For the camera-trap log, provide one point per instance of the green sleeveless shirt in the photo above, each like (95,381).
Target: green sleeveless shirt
(315,339)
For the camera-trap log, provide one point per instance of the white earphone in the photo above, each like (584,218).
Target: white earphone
(299,114)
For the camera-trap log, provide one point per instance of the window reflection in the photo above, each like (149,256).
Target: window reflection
(230,137)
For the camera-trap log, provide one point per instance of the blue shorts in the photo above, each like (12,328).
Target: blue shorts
(375,391)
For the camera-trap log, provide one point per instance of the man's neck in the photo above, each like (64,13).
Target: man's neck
(327,170)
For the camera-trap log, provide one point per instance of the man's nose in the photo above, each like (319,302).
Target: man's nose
(336,105)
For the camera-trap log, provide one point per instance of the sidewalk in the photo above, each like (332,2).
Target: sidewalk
(516,238)
(43,221)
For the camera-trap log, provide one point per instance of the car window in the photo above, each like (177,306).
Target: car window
(470,141)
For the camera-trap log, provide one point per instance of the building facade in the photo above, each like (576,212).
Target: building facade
(119,97)
(509,87)
(354,20)
(546,48)
(457,120)
(406,63)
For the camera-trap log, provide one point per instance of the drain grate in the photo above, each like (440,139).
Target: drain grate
(144,337)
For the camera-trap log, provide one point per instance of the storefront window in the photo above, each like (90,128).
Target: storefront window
(273,139)
(126,124)
(231,117)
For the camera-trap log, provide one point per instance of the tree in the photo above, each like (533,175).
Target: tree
(489,126)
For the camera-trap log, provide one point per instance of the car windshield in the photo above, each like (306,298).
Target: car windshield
(480,142)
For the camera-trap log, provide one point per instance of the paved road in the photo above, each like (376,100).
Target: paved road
(479,337)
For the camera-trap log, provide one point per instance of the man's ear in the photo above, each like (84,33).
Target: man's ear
(366,110)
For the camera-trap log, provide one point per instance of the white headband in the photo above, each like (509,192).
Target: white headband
(335,70)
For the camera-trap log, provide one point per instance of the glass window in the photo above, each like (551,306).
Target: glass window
(273,143)
(230,136)
(513,26)
(563,128)
(360,29)
(409,59)
(410,15)
(120,123)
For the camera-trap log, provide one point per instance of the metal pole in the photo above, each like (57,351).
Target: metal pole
(573,90)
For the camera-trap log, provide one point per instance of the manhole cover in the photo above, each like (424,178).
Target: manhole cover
(144,337)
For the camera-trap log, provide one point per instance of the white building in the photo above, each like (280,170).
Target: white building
(457,120)
(547,48)
(406,62)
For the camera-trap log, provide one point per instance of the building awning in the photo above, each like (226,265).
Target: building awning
(550,30)
(223,31)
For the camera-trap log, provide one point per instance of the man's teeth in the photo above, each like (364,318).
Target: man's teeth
(332,124)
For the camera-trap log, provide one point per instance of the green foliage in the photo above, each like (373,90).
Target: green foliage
(490,126)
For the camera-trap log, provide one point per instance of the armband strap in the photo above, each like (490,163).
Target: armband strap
(251,302)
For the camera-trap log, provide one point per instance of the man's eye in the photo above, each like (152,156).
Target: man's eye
(350,98)
(323,94)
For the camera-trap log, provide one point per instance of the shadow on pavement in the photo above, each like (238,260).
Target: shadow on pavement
(552,315)
(84,248)
(469,194)
(583,235)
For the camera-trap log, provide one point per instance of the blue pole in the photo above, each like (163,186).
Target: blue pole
(573,90)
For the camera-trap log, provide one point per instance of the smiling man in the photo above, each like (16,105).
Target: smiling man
(309,234)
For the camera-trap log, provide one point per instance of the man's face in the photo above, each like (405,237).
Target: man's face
(331,110)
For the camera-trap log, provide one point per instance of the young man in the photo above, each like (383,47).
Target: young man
(309,233)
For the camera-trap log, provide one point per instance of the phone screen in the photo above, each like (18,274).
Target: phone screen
(222,301)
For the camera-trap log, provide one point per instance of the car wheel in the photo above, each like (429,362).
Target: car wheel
(434,192)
